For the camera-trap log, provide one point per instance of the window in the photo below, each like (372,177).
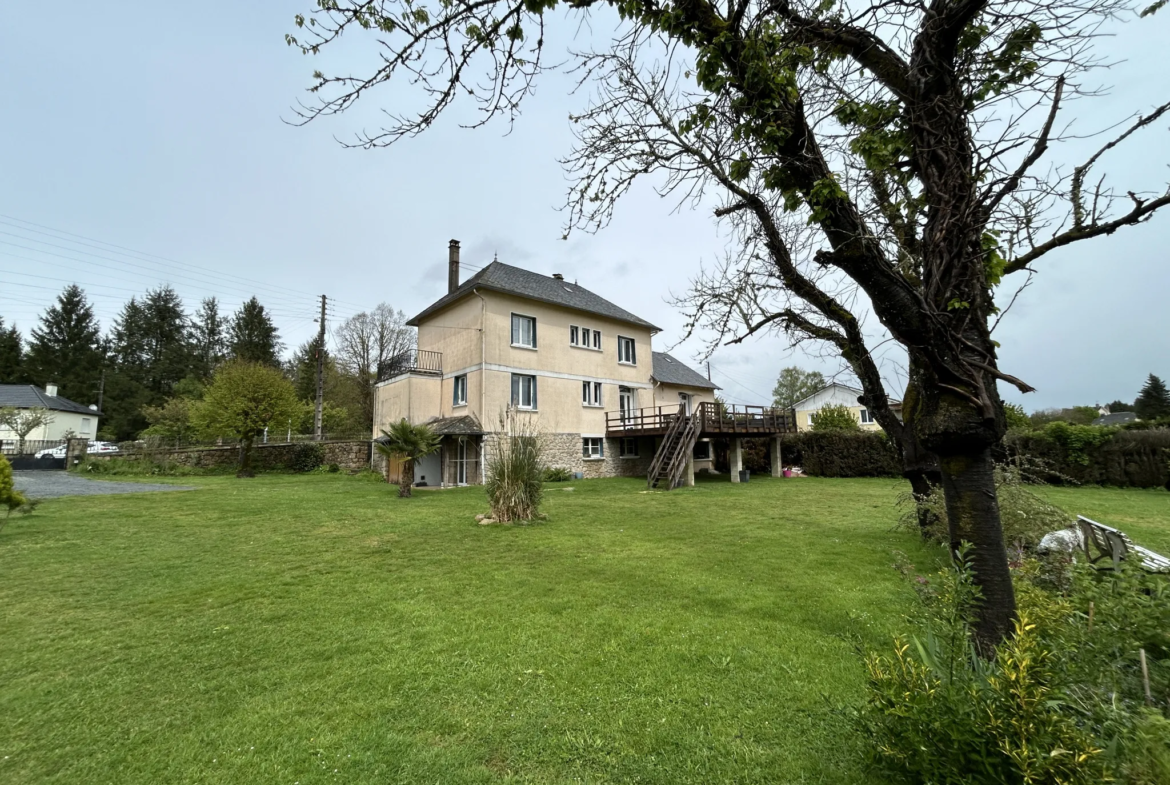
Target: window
(85,425)
(459,396)
(574,336)
(524,331)
(592,447)
(581,336)
(629,447)
(591,393)
(626,351)
(866,417)
(523,391)
(702,451)
(597,340)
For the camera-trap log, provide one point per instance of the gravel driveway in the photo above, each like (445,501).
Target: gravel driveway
(49,485)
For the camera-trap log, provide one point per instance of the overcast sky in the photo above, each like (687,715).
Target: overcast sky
(157,127)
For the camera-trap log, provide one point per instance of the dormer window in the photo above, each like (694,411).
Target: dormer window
(524,331)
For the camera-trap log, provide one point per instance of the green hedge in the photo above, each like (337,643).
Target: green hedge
(828,454)
(1135,459)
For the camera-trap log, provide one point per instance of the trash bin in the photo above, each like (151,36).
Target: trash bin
(744,474)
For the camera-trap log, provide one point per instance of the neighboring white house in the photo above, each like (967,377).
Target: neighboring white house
(838,395)
(68,417)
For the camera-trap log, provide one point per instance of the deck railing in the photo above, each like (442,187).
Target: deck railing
(411,361)
(717,418)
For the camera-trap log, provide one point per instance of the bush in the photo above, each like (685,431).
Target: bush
(1061,702)
(334,468)
(146,466)
(834,417)
(306,457)
(10,498)
(514,474)
(842,454)
(1095,455)
(556,474)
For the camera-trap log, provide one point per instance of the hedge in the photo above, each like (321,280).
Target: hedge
(828,454)
(1134,459)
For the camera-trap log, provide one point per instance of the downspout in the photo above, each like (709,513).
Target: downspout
(482,384)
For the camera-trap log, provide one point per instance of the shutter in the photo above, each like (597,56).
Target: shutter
(533,323)
(585,392)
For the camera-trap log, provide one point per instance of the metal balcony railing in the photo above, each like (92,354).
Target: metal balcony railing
(412,361)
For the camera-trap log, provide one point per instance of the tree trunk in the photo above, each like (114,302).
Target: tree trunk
(922,485)
(245,467)
(973,515)
(407,479)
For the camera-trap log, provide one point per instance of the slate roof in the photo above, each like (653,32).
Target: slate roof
(505,278)
(668,370)
(449,426)
(1117,418)
(29,396)
(894,402)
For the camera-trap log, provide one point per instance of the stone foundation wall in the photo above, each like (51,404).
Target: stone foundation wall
(350,456)
(564,450)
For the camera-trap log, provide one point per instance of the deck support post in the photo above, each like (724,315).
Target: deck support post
(688,478)
(735,458)
(777,463)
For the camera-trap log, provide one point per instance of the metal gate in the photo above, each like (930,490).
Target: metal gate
(34,454)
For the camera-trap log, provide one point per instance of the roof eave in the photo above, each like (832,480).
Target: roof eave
(436,307)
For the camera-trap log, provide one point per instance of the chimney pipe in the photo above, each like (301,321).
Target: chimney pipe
(452,266)
(51,390)
(558,276)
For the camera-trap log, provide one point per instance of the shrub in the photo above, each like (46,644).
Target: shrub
(834,417)
(514,473)
(306,457)
(1062,701)
(145,466)
(334,468)
(842,454)
(1122,457)
(10,498)
(556,474)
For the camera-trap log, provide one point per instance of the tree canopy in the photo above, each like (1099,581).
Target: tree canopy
(1153,401)
(795,384)
(252,336)
(65,349)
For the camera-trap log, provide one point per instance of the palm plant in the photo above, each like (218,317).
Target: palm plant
(411,443)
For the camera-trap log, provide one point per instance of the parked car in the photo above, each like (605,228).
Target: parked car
(53,453)
(96,448)
(100,448)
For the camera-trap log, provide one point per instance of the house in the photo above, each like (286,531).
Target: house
(68,418)
(1116,418)
(547,354)
(837,394)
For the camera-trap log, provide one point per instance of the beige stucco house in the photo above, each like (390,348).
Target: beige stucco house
(836,394)
(68,418)
(581,370)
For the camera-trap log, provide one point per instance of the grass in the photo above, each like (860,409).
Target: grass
(315,628)
(1142,513)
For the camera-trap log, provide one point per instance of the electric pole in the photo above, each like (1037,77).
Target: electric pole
(320,372)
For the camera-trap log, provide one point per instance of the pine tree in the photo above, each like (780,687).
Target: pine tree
(11,355)
(253,336)
(302,369)
(208,335)
(66,348)
(169,353)
(1153,401)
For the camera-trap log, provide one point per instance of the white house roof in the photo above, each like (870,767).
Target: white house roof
(839,390)
(29,396)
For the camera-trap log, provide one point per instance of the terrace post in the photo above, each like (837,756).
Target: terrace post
(735,458)
(688,478)
(777,463)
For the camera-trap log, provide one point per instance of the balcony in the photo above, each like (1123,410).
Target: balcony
(711,419)
(412,361)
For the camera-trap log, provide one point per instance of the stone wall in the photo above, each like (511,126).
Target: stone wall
(564,450)
(349,455)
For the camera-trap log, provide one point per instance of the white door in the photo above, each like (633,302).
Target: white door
(461,463)
(626,402)
(685,400)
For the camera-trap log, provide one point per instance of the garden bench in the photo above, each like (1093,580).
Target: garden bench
(1110,543)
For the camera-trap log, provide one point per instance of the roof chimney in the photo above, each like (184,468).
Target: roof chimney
(558,276)
(51,390)
(452,266)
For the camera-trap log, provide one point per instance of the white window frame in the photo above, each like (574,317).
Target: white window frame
(459,393)
(592,448)
(582,337)
(591,394)
(623,341)
(85,424)
(517,335)
(597,340)
(574,335)
(865,416)
(625,442)
(519,381)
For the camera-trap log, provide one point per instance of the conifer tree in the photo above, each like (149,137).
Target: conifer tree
(208,334)
(11,355)
(66,348)
(1153,401)
(253,336)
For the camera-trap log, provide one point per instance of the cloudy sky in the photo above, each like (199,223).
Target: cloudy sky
(143,143)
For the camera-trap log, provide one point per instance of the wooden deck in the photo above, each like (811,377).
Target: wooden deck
(711,420)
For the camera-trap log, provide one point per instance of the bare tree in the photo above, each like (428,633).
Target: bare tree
(889,157)
(22,422)
(366,342)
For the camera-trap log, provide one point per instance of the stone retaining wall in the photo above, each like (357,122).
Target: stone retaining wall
(349,455)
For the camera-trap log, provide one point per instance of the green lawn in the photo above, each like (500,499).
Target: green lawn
(1142,513)
(305,629)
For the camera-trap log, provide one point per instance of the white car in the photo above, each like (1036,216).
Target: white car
(96,448)
(57,452)
(100,448)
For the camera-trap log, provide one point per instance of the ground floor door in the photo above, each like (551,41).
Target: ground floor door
(461,463)
(626,403)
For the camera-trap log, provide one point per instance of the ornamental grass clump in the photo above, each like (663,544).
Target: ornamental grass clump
(515,473)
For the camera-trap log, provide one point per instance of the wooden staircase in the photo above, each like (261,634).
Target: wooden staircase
(666,470)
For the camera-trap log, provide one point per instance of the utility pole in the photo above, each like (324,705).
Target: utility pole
(101,389)
(320,372)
